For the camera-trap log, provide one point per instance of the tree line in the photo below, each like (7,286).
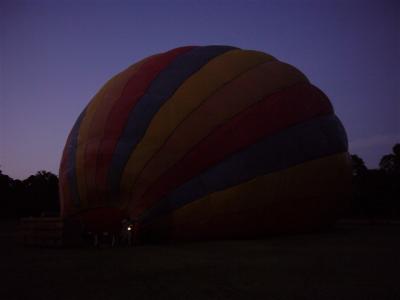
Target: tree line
(33,196)
(376,192)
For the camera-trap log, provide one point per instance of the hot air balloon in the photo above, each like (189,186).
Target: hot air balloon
(204,142)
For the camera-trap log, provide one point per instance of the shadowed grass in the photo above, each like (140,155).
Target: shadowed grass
(354,262)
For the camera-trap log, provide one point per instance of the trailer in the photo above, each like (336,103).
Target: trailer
(48,232)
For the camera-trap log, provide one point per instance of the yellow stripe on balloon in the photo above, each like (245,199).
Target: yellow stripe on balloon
(192,93)
(326,179)
(97,112)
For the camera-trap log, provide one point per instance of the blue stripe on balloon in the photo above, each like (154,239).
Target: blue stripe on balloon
(71,160)
(160,90)
(310,140)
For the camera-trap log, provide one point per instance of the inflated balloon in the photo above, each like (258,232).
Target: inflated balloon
(207,142)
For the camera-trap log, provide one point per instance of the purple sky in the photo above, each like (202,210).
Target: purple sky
(54,56)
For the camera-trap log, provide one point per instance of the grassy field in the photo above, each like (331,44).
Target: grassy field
(349,262)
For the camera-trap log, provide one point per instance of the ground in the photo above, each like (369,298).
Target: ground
(348,262)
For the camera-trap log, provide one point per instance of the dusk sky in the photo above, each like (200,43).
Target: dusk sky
(55,55)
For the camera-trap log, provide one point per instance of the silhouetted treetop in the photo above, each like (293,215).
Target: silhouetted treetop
(358,165)
(29,197)
(390,163)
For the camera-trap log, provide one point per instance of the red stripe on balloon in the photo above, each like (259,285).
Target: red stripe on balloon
(118,116)
(274,113)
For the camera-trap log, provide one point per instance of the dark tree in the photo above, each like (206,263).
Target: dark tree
(374,189)
(358,165)
(360,171)
(31,197)
(390,163)
(41,193)
(6,195)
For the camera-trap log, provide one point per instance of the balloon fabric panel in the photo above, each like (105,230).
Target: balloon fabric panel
(65,197)
(71,162)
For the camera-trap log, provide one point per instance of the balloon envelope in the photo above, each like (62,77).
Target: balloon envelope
(207,142)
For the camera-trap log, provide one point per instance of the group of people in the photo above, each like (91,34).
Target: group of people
(126,236)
